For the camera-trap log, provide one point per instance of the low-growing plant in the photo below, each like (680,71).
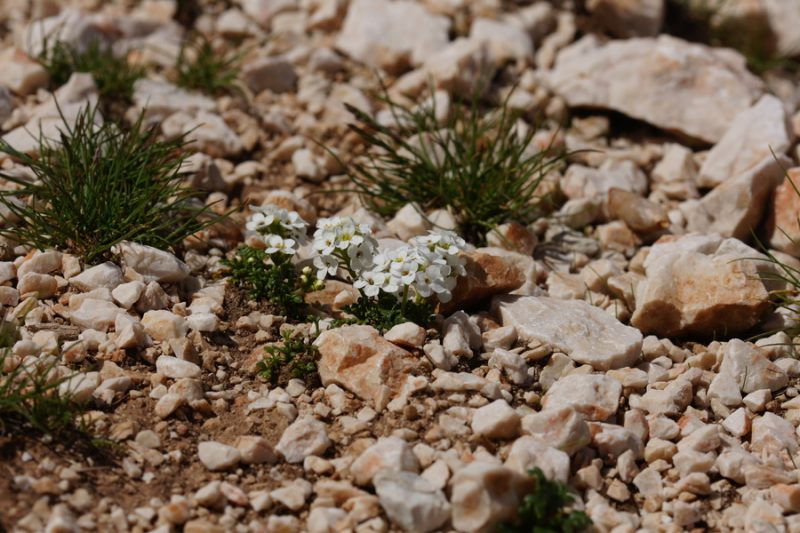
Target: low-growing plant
(113,74)
(200,67)
(294,357)
(546,509)
(395,285)
(97,185)
(268,273)
(479,166)
(29,392)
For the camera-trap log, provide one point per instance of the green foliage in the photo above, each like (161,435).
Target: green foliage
(113,74)
(295,357)
(200,67)
(99,185)
(544,510)
(475,164)
(29,398)
(385,311)
(271,277)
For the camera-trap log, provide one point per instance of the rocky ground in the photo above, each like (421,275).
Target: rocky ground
(628,344)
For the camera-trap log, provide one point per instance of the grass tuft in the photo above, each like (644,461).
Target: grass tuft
(113,74)
(29,397)
(477,165)
(544,510)
(99,185)
(201,68)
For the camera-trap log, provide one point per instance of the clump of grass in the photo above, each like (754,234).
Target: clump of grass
(114,75)
(294,357)
(545,510)
(272,278)
(477,165)
(200,67)
(99,185)
(29,396)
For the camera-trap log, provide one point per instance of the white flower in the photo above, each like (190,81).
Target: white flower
(371,283)
(276,243)
(327,265)
(272,221)
(361,256)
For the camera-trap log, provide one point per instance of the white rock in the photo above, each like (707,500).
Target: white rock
(409,222)
(159,99)
(304,437)
(593,395)
(645,79)
(389,453)
(411,501)
(773,434)
(406,335)
(255,450)
(96,314)
(43,286)
(21,74)
(164,325)
(754,135)
(216,456)
(497,420)
(292,494)
(391,35)
(153,264)
(529,452)
(458,67)
(700,284)
(175,368)
(106,275)
(506,41)
(561,428)
(587,334)
(748,368)
(127,294)
(207,132)
(483,494)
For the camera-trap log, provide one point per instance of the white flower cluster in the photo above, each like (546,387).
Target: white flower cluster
(425,267)
(281,230)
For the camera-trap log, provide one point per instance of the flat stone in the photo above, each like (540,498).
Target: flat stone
(587,334)
(698,284)
(216,456)
(106,275)
(497,420)
(164,325)
(175,368)
(658,80)
(388,454)
(153,264)
(595,396)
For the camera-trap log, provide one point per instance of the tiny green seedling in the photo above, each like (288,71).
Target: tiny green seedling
(113,74)
(272,278)
(97,185)
(545,510)
(200,67)
(294,357)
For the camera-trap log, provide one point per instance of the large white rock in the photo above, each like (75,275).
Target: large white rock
(106,275)
(483,494)
(529,452)
(389,453)
(217,456)
(754,135)
(587,334)
(736,208)
(747,367)
(304,437)
(153,264)
(411,501)
(391,34)
(692,89)
(595,396)
(359,359)
(700,284)
(506,41)
(562,428)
